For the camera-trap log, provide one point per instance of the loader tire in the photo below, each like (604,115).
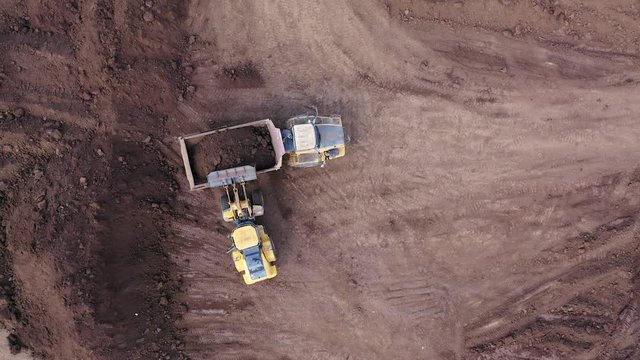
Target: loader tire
(224,202)
(256,198)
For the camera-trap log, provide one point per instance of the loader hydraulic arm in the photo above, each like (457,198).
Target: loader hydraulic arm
(237,203)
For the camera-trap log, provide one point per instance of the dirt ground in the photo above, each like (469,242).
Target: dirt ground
(487,207)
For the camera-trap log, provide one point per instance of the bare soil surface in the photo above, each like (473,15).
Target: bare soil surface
(487,207)
(229,149)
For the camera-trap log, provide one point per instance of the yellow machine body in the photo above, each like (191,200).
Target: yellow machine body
(253,253)
(312,140)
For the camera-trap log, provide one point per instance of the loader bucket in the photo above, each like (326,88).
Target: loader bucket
(231,176)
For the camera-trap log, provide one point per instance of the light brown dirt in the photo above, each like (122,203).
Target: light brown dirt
(487,207)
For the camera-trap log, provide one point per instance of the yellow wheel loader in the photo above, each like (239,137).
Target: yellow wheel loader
(253,253)
(251,250)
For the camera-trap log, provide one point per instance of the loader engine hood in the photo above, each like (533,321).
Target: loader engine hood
(330,136)
(320,137)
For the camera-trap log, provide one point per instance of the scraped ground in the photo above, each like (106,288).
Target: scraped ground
(487,207)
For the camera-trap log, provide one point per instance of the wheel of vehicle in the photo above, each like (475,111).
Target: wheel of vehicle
(256,198)
(273,248)
(224,202)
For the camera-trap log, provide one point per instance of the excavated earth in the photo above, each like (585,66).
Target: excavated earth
(487,207)
(231,148)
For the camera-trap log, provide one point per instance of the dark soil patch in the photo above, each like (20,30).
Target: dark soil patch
(245,75)
(229,149)
(15,345)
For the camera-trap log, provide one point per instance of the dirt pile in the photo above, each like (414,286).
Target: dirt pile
(232,148)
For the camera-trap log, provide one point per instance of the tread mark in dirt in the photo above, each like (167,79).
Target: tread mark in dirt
(58,44)
(22,87)
(401,88)
(582,323)
(415,301)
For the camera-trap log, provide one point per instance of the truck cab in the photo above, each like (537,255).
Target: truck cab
(311,140)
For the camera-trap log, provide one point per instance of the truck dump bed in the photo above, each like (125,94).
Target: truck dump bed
(258,144)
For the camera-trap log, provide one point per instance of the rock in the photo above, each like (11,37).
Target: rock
(155,205)
(83,181)
(37,174)
(192,39)
(164,301)
(99,152)
(120,158)
(148,16)
(18,113)
(86,96)
(147,140)
(518,30)
(7,148)
(191,88)
(41,204)
(55,134)
(148,3)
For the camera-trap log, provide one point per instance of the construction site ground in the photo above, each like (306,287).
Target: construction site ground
(487,207)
